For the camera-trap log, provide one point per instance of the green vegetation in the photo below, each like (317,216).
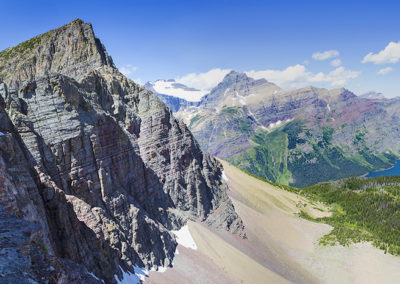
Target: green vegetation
(268,158)
(196,118)
(23,47)
(293,154)
(362,210)
(229,110)
(43,247)
(237,118)
(305,215)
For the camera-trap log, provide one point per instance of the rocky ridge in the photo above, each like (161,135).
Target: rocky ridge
(107,170)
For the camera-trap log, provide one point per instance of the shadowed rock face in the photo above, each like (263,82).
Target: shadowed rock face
(108,171)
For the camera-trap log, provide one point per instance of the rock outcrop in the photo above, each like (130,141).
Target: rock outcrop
(107,170)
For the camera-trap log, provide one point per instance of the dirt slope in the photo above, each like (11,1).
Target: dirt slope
(280,248)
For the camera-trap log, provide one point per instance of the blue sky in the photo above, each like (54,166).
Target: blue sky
(169,39)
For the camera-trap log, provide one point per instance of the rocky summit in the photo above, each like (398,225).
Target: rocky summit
(94,167)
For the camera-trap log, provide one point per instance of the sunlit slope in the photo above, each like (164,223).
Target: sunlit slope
(270,216)
(280,247)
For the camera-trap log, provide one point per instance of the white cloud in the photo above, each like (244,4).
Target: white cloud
(297,76)
(128,69)
(203,81)
(336,62)
(337,77)
(320,56)
(391,54)
(385,71)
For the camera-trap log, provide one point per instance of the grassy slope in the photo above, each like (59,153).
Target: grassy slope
(363,210)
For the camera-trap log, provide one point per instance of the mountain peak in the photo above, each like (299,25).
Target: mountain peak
(235,76)
(71,50)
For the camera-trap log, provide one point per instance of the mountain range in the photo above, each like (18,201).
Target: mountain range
(100,183)
(297,137)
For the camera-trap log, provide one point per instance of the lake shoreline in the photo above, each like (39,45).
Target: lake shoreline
(392,171)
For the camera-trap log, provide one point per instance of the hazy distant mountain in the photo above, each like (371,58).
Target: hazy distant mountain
(297,137)
(372,95)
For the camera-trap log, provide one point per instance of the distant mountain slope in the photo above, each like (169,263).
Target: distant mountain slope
(298,137)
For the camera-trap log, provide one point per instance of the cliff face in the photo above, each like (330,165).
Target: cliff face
(111,168)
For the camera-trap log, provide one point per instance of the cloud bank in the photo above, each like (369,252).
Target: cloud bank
(298,76)
(391,54)
(203,81)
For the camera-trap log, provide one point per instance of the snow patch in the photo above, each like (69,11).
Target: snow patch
(242,99)
(162,269)
(129,278)
(139,276)
(328,107)
(278,123)
(94,276)
(168,88)
(226,91)
(184,238)
(224,177)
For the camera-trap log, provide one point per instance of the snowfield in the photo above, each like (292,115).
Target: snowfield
(171,88)
(184,238)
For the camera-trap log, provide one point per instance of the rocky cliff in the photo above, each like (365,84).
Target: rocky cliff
(106,170)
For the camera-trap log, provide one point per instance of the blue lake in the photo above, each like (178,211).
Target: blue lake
(395,171)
